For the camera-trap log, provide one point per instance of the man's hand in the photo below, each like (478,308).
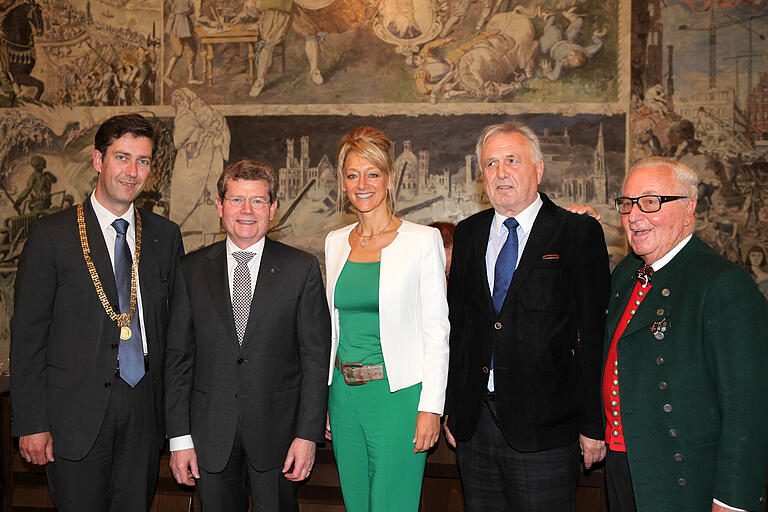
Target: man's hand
(184,466)
(427,431)
(448,436)
(584,208)
(37,448)
(301,455)
(593,450)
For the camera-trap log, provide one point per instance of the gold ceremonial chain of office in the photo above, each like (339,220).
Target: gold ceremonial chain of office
(122,319)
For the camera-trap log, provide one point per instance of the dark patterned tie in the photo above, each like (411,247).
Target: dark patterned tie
(505,265)
(131,351)
(645,275)
(242,292)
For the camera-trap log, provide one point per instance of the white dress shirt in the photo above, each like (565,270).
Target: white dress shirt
(185,441)
(106,218)
(498,236)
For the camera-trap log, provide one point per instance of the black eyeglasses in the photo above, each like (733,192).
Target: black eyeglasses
(648,203)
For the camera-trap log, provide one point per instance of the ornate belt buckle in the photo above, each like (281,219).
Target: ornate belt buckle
(351,366)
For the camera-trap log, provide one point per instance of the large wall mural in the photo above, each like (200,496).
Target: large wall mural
(603,82)
(700,94)
(138,52)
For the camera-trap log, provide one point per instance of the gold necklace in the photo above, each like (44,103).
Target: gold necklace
(363,241)
(122,319)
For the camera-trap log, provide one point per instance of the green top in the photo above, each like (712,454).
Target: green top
(357,299)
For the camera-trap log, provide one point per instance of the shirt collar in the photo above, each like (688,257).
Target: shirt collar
(525,218)
(256,248)
(106,217)
(658,264)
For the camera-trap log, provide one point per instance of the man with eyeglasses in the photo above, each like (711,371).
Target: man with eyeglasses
(248,354)
(685,380)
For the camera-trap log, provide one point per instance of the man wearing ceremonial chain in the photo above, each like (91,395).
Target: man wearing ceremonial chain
(88,334)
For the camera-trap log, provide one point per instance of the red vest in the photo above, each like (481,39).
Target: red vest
(614,433)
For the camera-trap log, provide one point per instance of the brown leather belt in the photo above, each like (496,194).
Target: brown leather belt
(356,374)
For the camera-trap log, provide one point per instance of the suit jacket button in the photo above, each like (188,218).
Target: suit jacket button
(107,384)
(667,408)
(497,325)
(240,360)
(662,385)
(672,432)
(681,482)
(485,369)
(678,457)
(659,360)
(762,499)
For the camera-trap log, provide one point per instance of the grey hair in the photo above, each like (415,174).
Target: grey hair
(509,127)
(686,177)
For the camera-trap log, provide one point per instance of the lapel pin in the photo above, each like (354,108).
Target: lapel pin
(659,328)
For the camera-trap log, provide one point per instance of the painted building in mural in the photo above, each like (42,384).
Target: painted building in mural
(757,108)
(717,117)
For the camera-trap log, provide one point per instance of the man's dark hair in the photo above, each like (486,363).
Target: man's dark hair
(249,170)
(117,126)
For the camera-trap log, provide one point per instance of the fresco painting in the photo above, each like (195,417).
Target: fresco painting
(700,94)
(286,52)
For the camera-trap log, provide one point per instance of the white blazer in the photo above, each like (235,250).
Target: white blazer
(413,310)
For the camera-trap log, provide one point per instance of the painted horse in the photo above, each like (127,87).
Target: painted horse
(20,24)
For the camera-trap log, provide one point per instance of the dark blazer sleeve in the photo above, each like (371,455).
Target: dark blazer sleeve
(456,316)
(34,297)
(179,359)
(313,330)
(591,286)
(735,329)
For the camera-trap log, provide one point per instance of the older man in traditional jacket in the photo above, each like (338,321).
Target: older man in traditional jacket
(685,380)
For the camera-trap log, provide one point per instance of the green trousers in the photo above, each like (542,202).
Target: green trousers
(373,433)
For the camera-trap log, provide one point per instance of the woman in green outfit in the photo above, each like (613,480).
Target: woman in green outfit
(389,346)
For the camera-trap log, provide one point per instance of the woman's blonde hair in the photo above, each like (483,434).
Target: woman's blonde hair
(374,146)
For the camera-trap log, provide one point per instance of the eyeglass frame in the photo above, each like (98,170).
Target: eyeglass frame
(636,201)
(257,203)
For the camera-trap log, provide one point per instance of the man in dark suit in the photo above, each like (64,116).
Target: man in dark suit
(527,295)
(248,353)
(686,346)
(88,334)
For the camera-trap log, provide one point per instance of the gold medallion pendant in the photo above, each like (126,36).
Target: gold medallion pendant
(125,333)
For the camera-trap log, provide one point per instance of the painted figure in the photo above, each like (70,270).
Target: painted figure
(181,29)
(565,49)
(38,187)
(201,137)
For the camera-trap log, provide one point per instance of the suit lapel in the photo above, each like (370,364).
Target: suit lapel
(148,277)
(619,301)
(541,232)
(218,283)
(266,283)
(656,306)
(478,268)
(100,255)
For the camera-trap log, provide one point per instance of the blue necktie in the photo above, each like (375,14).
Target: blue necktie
(505,265)
(130,351)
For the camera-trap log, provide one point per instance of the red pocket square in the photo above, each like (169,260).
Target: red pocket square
(551,257)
